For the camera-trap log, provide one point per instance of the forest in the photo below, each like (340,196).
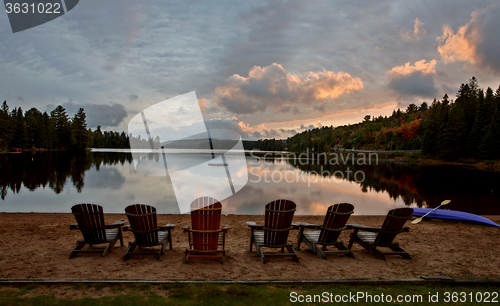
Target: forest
(55,131)
(467,127)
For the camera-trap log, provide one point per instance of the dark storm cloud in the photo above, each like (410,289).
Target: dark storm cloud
(487,23)
(105,115)
(414,84)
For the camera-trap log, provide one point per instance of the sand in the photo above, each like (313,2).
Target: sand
(36,245)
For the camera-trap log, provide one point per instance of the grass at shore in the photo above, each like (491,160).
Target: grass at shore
(213,294)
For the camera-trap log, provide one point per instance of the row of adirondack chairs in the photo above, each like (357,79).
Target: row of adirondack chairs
(207,237)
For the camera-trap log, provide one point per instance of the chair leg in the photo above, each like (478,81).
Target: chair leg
(120,234)
(376,252)
(170,238)
(110,246)
(162,249)
(397,248)
(108,249)
(131,247)
(354,237)
(299,240)
(261,254)
(251,240)
(340,245)
(79,246)
(319,251)
(291,251)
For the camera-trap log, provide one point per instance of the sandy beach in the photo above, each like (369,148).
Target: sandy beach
(37,245)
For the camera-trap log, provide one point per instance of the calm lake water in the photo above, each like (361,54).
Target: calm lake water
(54,181)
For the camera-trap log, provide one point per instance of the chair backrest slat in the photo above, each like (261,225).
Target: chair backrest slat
(90,219)
(393,224)
(205,216)
(143,222)
(279,216)
(335,219)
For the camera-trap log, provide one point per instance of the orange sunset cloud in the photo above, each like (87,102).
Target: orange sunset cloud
(273,87)
(420,66)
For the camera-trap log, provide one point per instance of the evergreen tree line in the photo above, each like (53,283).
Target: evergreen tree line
(54,131)
(468,127)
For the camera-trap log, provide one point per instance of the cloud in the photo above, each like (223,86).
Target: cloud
(417,33)
(203,103)
(247,132)
(477,42)
(416,80)
(272,87)
(105,115)
(407,69)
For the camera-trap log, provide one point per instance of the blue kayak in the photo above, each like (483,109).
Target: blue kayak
(452,215)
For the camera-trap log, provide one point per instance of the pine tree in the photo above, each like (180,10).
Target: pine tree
(431,126)
(79,133)
(19,136)
(62,127)
(478,131)
(5,127)
(33,127)
(490,145)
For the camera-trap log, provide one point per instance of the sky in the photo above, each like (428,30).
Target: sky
(268,69)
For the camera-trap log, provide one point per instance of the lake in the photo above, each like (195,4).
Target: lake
(54,181)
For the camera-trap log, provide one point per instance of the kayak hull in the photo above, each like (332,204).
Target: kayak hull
(446,214)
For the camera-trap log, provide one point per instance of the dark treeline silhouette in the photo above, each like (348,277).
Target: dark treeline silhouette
(266,145)
(109,139)
(468,127)
(54,131)
(52,169)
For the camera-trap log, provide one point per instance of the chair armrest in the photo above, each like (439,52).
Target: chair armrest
(127,228)
(167,227)
(116,224)
(226,227)
(360,227)
(298,225)
(74,226)
(254,225)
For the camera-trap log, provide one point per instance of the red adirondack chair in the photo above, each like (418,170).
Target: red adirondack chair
(207,237)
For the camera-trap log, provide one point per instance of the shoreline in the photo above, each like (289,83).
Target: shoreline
(37,245)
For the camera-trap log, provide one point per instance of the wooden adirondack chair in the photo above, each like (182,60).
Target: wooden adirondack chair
(147,233)
(90,222)
(384,236)
(206,236)
(278,223)
(334,223)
